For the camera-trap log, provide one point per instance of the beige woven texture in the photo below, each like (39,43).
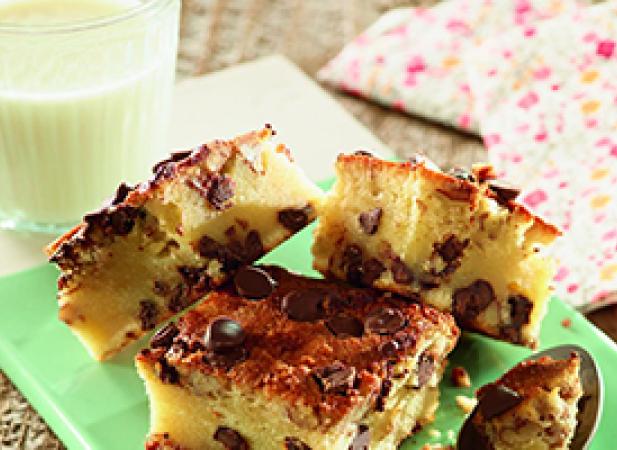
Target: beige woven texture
(218,33)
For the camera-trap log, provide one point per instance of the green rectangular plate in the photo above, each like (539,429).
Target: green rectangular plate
(104,406)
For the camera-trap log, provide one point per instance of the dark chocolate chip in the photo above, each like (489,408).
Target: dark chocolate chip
(221,188)
(369,220)
(458,191)
(371,271)
(230,438)
(384,320)
(121,193)
(162,166)
(380,403)
(165,336)
(343,326)
(166,373)
(122,221)
(304,306)
(496,400)
(178,297)
(148,313)
(451,248)
(336,378)
(253,247)
(505,192)
(254,283)
(352,254)
(470,301)
(293,443)
(400,272)
(209,248)
(294,219)
(363,153)
(160,288)
(471,438)
(224,333)
(520,311)
(462,174)
(362,441)
(426,367)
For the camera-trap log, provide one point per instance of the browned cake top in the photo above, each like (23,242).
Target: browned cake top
(323,343)
(542,373)
(457,184)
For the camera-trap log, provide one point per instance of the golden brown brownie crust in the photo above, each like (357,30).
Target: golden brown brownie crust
(293,359)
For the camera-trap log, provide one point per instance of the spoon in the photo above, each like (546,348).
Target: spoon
(589,406)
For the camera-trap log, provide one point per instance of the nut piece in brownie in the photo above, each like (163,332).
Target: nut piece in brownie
(533,406)
(459,241)
(157,247)
(279,361)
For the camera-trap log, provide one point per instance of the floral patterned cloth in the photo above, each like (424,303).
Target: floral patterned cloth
(414,58)
(538,81)
(547,104)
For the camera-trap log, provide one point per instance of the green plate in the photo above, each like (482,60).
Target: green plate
(103,406)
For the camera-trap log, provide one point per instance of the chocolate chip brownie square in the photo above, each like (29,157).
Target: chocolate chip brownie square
(280,361)
(159,246)
(533,406)
(457,241)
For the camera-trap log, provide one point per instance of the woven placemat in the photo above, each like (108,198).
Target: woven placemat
(219,33)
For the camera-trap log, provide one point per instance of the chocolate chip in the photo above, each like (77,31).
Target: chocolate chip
(166,373)
(178,297)
(304,306)
(472,438)
(121,193)
(496,399)
(122,221)
(293,443)
(220,189)
(372,270)
(384,320)
(369,220)
(209,248)
(384,391)
(147,314)
(462,174)
(162,166)
(336,378)
(469,302)
(400,272)
(451,248)
(343,326)
(362,441)
(224,333)
(294,219)
(458,191)
(505,192)
(165,336)
(520,311)
(363,153)
(230,438)
(254,283)
(352,261)
(426,367)
(253,247)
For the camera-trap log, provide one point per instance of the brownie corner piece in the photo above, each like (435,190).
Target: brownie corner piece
(296,363)
(157,247)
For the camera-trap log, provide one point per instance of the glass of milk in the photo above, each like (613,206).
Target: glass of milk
(85,96)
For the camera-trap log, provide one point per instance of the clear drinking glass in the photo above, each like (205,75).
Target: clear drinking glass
(83,105)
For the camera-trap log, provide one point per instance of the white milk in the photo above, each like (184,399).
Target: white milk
(83,110)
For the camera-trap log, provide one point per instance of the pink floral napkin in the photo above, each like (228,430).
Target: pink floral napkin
(414,59)
(546,99)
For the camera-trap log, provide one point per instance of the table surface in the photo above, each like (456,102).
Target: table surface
(220,33)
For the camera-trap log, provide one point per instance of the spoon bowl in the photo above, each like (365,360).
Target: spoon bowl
(589,406)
